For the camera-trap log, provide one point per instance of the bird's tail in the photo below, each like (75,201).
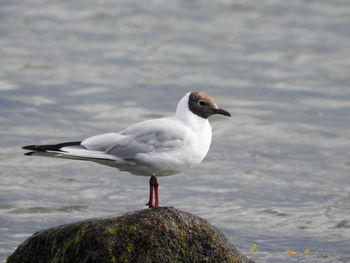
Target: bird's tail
(70,150)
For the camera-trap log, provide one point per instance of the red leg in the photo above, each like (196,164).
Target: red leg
(156,193)
(150,201)
(153,184)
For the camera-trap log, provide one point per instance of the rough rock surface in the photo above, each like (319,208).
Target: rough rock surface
(151,235)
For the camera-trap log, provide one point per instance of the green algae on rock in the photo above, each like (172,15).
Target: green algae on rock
(151,235)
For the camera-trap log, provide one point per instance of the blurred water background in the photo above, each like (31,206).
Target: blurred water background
(277,174)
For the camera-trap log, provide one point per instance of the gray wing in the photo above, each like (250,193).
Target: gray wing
(153,136)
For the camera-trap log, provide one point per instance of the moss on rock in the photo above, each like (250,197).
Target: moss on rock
(151,235)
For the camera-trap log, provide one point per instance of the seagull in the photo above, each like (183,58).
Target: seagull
(157,147)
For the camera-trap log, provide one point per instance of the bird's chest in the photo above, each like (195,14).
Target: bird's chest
(199,144)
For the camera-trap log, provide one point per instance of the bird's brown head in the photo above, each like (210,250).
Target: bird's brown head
(204,106)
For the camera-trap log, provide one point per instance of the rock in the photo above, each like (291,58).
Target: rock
(151,235)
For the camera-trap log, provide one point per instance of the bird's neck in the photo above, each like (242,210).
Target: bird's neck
(184,114)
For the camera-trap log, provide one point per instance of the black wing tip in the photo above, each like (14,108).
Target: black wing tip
(50,147)
(29,153)
(29,147)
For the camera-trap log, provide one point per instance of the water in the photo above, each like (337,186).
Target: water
(277,174)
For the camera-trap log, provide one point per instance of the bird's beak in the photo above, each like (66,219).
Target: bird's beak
(222,112)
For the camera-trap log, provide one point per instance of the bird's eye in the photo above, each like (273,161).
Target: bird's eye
(202,102)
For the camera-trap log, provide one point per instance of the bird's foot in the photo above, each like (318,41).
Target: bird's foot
(152,206)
